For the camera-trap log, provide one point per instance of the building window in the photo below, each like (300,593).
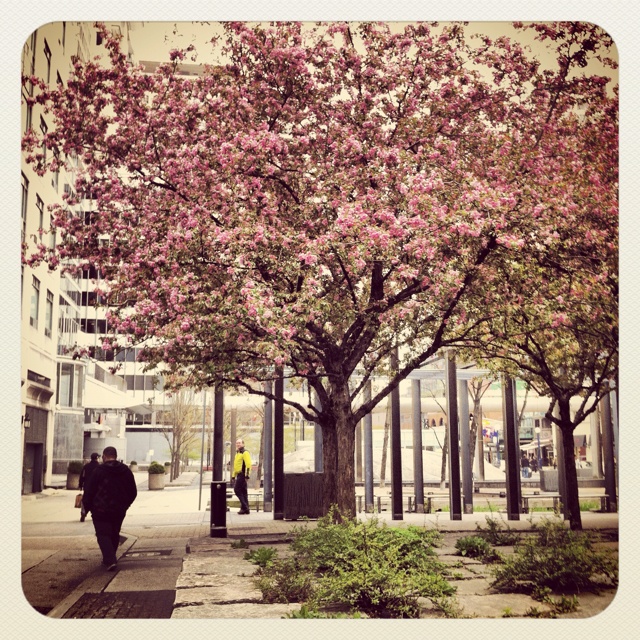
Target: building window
(29,118)
(43,130)
(35,302)
(25,198)
(56,174)
(40,206)
(47,55)
(70,385)
(48,317)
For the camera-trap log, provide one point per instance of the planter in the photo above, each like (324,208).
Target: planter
(156,481)
(133,467)
(73,480)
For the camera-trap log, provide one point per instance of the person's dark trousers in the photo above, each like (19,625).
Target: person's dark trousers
(240,489)
(108,535)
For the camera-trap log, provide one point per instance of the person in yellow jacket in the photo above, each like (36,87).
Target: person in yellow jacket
(240,475)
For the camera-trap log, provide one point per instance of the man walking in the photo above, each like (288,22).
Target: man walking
(85,474)
(108,494)
(241,471)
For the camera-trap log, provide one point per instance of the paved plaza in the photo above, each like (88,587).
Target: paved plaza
(170,567)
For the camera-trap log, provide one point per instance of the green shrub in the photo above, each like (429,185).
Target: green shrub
(156,468)
(497,532)
(284,581)
(555,558)
(473,547)
(262,556)
(240,544)
(378,570)
(133,462)
(74,466)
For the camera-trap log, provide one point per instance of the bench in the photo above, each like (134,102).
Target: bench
(604,500)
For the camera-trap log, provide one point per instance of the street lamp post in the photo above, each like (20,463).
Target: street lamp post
(537,430)
(496,441)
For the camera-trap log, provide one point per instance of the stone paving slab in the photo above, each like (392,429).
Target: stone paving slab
(234,611)
(219,590)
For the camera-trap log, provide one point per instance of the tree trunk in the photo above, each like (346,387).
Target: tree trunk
(338,450)
(570,473)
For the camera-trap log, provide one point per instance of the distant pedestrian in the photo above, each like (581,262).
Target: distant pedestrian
(85,474)
(534,465)
(524,463)
(241,472)
(109,492)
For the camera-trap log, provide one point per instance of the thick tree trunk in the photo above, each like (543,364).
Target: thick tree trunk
(570,473)
(338,449)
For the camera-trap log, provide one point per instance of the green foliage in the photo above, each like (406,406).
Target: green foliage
(473,547)
(285,581)
(262,556)
(556,558)
(364,566)
(306,612)
(156,468)
(133,462)
(74,466)
(497,532)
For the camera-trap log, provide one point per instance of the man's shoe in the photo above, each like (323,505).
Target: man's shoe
(81,518)
(112,567)
(242,512)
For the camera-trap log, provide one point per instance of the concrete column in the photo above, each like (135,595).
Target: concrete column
(318,465)
(358,452)
(596,451)
(465,444)
(608,454)
(418,474)
(453,431)
(368,454)
(278,449)
(396,454)
(267,465)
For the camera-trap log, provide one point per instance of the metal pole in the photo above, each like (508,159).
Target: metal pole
(278,448)
(511,448)
(396,455)
(218,434)
(455,510)
(608,454)
(267,467)
(418,474)
(467,473)
(318,465)
(204,407)
(368,454)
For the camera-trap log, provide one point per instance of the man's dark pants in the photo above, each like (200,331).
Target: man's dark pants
(108,534)
(240,489)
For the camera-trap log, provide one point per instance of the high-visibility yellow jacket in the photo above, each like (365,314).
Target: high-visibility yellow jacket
(241,456)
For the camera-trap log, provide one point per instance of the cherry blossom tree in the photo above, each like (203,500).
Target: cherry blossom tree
(321,195)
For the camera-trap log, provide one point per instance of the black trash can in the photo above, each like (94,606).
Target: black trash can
(218,509)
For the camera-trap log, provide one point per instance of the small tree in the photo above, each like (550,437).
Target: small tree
(182,415)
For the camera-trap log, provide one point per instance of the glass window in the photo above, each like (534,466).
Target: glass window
(35,302)
(40,206)
(25,198)
(48,321)
(47,55)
